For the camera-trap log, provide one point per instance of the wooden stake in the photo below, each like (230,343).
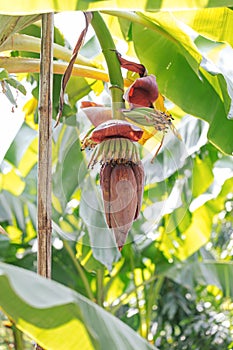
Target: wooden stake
(45,148)
(44,210)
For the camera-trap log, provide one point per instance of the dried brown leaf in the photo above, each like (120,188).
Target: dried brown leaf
(68,71)
(132,66)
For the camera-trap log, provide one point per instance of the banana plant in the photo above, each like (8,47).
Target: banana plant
(182,74)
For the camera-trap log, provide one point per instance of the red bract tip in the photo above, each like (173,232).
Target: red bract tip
(143,92)
(122,188)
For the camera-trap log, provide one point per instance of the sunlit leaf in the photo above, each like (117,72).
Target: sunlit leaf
(29,159)
(61,317)
(30,109)
(215,273)
(92,213)
(96,85)
(176,77)
(17,85)
(202,175)
(72,5)
(203,21)
(187,197)
(115,289)
(77,88)
(3,74)
(20,144)
(217,204)
(85,255)
(91,49)
(12,24)
(14,234)
(70,167)
(175,153)
(8,93)
(184,244)
(173,31)
(12,182)
(179,220)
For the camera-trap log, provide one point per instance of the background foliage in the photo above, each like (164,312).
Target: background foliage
(172,282)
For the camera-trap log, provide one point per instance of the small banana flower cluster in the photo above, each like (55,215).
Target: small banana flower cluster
(121,174)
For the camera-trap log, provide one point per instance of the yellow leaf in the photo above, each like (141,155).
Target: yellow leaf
(96,85)
(56,204)
(30,106)
(14,233)
(147,135)
(115,290)
(29,109)
(199,231)
(177,112)
(31,233)
(1,181)
(193,238)
(65,226)
(214,290)
(159,104)
(202,170)
(72,219)
(29,159)
(138,276)
(113,23)
(131,50)
(12,182)
(21,76)
(203,21)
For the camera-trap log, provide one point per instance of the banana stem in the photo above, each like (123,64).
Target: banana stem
(18,338)
(114,68)
(79,269)
(100,287)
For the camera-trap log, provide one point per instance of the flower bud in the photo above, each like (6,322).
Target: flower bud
(121,174)
(122,187)
(143,92)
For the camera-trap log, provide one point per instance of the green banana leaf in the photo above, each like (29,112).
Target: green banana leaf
(58,318)
(210,272)
(12,24)
(200,92)
(203,21)
(192,69)
(20,7)
(101,237)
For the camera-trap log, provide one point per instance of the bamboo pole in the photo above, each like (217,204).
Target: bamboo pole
(45,149)
(44,211)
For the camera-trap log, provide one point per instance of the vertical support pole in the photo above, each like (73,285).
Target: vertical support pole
(45,148)
(44,190)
